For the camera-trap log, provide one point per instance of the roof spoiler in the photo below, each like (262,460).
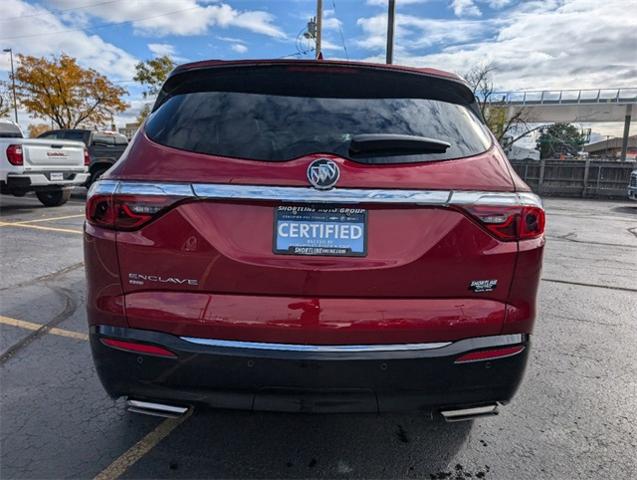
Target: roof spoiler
(299,78)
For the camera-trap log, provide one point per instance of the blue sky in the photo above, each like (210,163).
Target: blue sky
(533,44)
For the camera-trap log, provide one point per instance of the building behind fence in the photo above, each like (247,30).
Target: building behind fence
(576,178)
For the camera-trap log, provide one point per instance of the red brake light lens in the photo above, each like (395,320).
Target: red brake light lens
(87,158)
(510,223)
(107,209)
(14,155)
(532,222)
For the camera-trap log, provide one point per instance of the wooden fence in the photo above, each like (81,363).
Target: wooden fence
(576,178)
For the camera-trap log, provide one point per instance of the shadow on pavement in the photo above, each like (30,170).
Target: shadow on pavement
(225,444)
(626,209)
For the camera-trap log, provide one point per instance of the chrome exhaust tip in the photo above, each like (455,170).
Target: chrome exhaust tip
(155,409)
(460,414)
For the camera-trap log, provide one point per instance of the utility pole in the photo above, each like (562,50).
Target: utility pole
(15,103)
(391,13)
(629,112)
(319,26)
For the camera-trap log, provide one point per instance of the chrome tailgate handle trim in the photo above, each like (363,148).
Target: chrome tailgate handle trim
(347,196)
(311,195)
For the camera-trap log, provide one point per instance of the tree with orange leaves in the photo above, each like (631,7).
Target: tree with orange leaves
(35,129)
(60,90)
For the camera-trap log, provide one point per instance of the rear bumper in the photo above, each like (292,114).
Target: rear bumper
(246,376)
(42,181)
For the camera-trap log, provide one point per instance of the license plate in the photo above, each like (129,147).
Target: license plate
(57,176)
(336,232)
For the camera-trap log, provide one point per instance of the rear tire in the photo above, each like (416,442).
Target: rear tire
(54,198)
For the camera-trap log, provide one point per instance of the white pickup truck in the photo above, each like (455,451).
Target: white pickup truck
(50,168)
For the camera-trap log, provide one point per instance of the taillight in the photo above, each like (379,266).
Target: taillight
(510,223)
(14,155)
(108,208)
(87,158)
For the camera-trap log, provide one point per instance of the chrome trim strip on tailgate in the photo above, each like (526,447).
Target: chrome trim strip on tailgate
(310,195)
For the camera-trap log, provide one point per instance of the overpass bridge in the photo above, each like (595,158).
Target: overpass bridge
(581,106)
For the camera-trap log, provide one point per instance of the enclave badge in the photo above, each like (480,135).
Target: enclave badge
(323,174)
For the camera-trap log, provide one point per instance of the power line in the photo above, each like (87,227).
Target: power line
(50,12)
(340,29)
(104,25)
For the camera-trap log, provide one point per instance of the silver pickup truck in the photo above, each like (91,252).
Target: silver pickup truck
(50,168)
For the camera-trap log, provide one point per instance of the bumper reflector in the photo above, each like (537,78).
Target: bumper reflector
(491,354)
(138,347)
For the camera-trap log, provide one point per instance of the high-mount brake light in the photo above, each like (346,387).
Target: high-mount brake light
(107,208)
(14,155)
(508,222)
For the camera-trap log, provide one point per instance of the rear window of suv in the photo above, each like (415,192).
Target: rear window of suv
(274,127)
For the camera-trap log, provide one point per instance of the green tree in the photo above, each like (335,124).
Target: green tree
(560,139)
(151,74)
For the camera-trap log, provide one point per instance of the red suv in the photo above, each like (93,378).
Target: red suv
(313,236)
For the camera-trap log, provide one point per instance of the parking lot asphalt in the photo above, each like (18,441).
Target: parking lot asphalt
(575,415)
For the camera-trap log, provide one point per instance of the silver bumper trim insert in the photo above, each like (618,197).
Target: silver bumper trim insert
(482,342)
(292,347)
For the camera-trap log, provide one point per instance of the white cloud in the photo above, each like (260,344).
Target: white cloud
(536,45)
(401,2)
(465,8)
(161,49)
(239,48)
(180,17)
(330,22)
(415,32)
(230,39)
(326,45)
(89,49)
(498,3)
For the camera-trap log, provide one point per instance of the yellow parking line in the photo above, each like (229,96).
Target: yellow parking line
(141,448)
(38,227)
(14,322)
(51,219)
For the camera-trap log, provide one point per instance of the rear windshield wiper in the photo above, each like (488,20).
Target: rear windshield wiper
(386,144)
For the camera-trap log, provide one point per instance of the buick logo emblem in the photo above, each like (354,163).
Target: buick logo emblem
(323,174)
